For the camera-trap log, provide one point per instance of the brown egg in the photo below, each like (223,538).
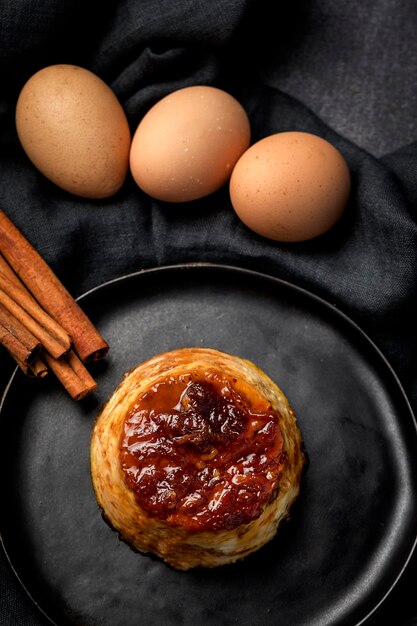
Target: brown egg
(290,186)
(187,144)
(74,130)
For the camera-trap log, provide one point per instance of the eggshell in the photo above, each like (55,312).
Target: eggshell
(187,144)
(290,186)
(74,130)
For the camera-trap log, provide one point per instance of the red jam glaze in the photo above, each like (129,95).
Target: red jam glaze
(200,453)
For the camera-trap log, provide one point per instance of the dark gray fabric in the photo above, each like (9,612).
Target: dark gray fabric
(345,71)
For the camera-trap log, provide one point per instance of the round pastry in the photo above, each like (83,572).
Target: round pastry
(196,457)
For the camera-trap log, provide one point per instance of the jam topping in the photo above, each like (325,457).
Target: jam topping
(203,451)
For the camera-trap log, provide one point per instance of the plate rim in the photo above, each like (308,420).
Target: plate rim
(305,293)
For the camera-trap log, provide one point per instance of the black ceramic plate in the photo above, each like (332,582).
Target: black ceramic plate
(352,529)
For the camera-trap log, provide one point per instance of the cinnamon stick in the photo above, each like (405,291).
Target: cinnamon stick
(21,344)
(13,286)
(79,368)
(48,341)
(7,271)
(73,375)
(50,292)
(37,369)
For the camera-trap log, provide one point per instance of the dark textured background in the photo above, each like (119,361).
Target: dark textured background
(344,70)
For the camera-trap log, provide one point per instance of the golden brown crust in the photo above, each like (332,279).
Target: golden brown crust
(177,546)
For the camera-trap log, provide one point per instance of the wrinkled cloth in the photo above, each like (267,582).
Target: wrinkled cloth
(345,71)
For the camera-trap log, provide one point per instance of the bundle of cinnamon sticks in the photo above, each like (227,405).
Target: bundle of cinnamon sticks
(41,325)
